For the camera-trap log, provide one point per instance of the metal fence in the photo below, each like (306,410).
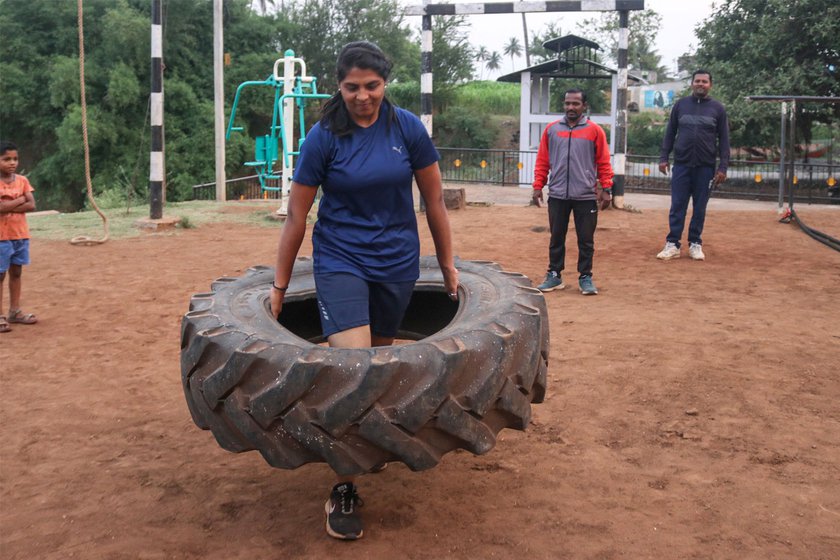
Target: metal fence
(241,188)
(498,167)
(754,180)
(757,180)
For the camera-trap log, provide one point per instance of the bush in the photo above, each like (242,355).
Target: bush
(405,95)
(465,128)
(644,133)
(109,199)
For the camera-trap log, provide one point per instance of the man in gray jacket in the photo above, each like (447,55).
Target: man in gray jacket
(572,159)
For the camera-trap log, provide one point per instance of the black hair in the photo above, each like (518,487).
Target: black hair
(358,54)
(6,146)
(577,90)
(701,71)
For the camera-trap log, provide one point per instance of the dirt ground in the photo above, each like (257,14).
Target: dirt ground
(692,409)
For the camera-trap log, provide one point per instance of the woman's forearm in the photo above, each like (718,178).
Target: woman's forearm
(294,229)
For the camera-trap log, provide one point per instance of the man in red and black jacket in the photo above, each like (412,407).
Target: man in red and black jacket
(573,158)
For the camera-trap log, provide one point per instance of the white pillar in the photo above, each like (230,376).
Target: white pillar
(525,122)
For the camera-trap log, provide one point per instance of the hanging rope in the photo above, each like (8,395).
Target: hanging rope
(83,239)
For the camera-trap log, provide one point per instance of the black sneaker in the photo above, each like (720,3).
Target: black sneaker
(343,521)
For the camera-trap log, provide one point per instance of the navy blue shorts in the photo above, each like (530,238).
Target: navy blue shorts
(12,252)
(346,301)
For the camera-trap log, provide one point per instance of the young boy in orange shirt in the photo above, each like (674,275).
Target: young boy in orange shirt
(15,200)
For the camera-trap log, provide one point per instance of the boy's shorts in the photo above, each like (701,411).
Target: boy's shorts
(346,301)
(12,252)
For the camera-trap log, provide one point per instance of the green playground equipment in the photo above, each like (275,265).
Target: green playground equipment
(290,90)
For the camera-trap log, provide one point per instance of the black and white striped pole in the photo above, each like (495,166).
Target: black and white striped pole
(156,161)
(619,156)
(426,74)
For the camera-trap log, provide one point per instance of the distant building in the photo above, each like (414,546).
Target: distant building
(649,76)
(655,97)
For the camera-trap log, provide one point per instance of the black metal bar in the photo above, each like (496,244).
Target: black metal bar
(782,157)
(792,153)
(794,98)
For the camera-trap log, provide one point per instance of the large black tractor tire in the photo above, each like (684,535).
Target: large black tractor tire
(475,367)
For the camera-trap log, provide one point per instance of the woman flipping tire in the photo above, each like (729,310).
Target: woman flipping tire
(357,404)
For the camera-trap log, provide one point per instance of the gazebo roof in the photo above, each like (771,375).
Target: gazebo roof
(567,42)
(573,61)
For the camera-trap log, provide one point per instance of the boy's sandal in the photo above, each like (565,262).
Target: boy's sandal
(4,325)
(17,316)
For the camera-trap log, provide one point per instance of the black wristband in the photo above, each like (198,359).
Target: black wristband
(276,287)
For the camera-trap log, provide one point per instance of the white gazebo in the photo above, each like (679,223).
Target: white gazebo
(575,61)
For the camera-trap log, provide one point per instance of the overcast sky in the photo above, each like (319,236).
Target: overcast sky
(676,36)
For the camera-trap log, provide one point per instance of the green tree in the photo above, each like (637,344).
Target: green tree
(40,107)
(512,49)
(317,30)
(452,57)
(644,27)
(481,55)
(539,53)
(494,61)
(772,47)
(40,85)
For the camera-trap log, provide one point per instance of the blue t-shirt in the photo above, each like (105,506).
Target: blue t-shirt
(366,221)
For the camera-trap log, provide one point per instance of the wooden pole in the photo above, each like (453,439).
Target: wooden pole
(219,98)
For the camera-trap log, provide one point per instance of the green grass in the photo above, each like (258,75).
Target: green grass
(496,98)
(122,225)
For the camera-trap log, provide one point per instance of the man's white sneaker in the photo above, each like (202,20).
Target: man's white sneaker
(695,251)
(671,251)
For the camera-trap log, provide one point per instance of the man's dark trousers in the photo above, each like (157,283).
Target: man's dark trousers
(689,183)
(586,219)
